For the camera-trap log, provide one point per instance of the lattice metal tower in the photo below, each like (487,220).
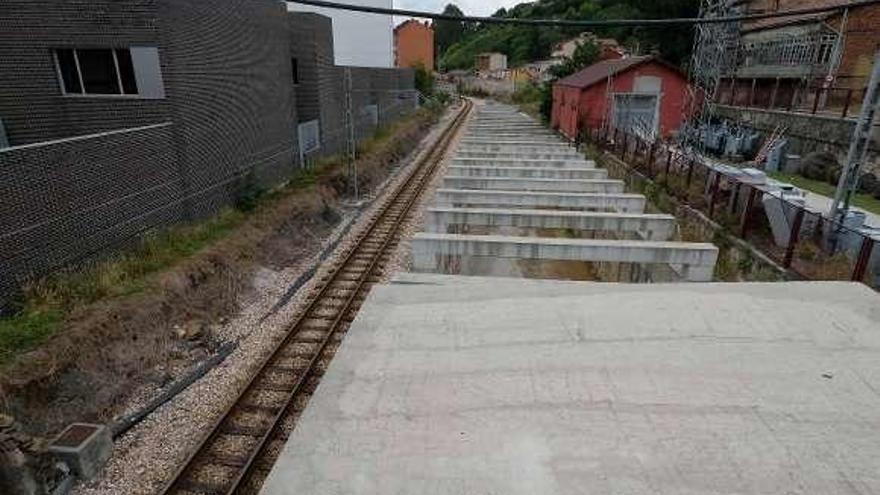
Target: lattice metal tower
(714,56)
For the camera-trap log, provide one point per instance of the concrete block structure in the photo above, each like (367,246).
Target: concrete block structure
(659,227)
(491,385)
(121,117)
(84,447)
(516,195)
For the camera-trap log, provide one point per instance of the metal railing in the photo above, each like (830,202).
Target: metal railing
(801,240)
(823,100)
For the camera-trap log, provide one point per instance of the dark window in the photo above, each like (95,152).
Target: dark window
(294,64)
(69,74)
(98,71)
(126,72)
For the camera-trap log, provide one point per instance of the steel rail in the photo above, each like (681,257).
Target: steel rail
(392,214)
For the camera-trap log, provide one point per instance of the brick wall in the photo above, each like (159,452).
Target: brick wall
(31,104)
(310,35)
(229,83)
(119,167)
(861,43)
(67,201)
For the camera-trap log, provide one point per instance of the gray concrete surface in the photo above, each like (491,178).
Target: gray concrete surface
(527,172)
(534,184)
(624,203)
(695,262)
(572,162)
(470,386)
(658,227)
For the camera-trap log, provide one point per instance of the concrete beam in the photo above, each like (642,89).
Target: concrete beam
(697,261)
(529,172)
(518,148)
(526,184)
(533,141)
(557,163)
(656,227)
(562,155)
(623,203)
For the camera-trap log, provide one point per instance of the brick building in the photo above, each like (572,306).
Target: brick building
(414,44)
(121,116)
(781,62)
(641,95)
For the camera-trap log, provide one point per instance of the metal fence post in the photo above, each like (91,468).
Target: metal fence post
(690,173)
(793,237)
(668,162)
(734,199)
(714,193)
(864,257)
(747,212)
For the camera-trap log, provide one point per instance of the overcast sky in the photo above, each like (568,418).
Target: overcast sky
(469,7)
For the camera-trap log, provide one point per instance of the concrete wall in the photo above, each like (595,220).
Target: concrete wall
(806,133)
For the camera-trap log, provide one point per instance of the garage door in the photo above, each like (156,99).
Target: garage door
(637,114)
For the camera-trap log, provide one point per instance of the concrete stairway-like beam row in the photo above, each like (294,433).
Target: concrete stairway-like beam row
(509,172)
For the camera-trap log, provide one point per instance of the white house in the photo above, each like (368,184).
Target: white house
(359,39)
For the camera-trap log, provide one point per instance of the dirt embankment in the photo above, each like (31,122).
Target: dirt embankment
(107,351)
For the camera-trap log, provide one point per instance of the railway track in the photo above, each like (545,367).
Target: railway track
(239,451)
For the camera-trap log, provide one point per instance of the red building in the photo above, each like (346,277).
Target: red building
(414,45)
(644,95)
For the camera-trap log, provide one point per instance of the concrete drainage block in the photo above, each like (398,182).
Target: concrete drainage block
(84,447)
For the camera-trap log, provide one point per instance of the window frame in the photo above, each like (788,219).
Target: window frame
(83,94)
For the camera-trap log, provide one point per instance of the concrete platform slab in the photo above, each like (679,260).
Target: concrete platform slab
(568,154)
(571,162)
(517,148)
(528,172)
(532,184)
(696,260)
(657,227)
(623,203)
(462,385)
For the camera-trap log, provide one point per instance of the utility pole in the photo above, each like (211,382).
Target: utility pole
(858,149)
(351,141)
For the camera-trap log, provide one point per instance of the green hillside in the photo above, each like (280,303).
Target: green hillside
(458,43)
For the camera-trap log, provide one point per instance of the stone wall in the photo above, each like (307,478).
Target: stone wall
(806,133)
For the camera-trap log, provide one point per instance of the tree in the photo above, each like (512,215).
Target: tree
(448,33)
(584,55)
(424,80)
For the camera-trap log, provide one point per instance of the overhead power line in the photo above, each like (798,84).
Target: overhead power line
(681,21)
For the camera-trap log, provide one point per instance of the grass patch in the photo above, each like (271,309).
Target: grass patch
(46,303)
(863,201)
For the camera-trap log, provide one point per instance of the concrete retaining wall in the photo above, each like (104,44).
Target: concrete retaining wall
(807,133)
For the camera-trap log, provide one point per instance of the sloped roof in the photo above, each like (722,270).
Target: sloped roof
(784,5)
(603,70)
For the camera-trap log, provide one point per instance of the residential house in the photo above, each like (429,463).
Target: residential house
(642,95)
